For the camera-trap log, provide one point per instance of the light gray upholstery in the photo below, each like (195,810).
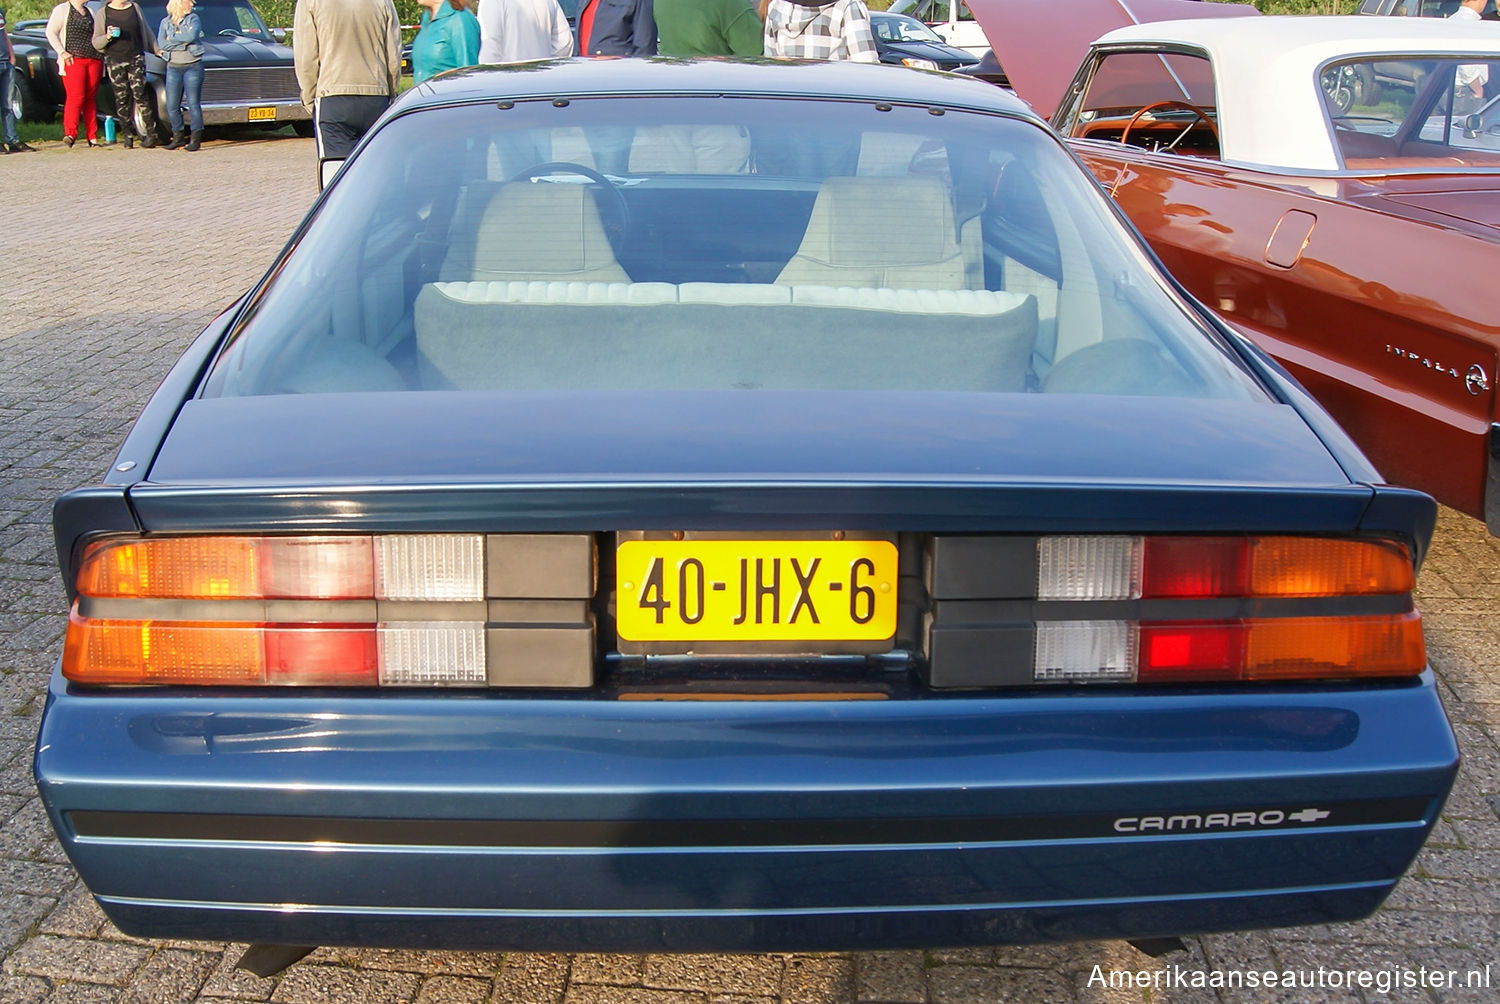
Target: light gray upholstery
(897,233)
(535,230)
(575,335)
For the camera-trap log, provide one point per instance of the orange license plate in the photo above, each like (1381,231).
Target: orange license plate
(262,115)
(756,590)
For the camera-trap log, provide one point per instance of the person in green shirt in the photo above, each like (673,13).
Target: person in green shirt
(448,38)
(709,28)
(690,28)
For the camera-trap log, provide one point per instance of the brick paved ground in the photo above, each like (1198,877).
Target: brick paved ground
(85,333)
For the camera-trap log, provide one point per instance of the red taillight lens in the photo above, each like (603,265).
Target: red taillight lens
(1284,648)
(326,654)
(1204,567)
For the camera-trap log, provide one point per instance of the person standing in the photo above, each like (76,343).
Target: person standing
(519,31)
(348,60)
(616,28)
(70,31)
(12,139)
(447,38)
(181,38)
(122,34)
(709,28)
(815,29)
(820,29)
(1470,78)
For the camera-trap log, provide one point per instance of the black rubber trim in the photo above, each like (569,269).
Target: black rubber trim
(689,833)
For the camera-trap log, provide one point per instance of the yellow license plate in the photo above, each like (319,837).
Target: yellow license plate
(756,590)
(262,115)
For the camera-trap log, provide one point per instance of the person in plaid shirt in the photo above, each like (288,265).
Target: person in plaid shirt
(820,29)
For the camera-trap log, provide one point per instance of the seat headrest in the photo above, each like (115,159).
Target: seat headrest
(537,231)
(880,232)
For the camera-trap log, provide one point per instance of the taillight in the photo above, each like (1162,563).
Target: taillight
(397,609)
(1134,568)
(1170,609)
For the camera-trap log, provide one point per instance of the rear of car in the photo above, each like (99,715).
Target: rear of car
(769,507)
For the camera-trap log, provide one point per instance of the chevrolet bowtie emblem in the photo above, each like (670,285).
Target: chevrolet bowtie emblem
(1307,815)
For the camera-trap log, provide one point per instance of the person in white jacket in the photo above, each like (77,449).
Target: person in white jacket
(517,31)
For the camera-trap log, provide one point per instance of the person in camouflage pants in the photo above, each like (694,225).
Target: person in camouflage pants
(131,92)
(122,34)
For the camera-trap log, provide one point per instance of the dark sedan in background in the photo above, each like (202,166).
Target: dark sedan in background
(908,42)
(248,74)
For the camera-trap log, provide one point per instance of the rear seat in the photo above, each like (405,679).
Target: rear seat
(561,335)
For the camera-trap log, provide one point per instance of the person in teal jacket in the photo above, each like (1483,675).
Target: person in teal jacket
(447,39)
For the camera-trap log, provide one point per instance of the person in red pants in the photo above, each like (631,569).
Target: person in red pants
(70,29)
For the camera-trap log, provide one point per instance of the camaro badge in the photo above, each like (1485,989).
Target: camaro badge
(1188,822)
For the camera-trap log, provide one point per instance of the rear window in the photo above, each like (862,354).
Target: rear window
(718,243)
(1419,113)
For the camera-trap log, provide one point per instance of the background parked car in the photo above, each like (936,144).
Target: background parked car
(951,19)
(1351,235)
(248,77)
(905,41)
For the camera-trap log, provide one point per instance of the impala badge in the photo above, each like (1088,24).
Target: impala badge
(1476,380)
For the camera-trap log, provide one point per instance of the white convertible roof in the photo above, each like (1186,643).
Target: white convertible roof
(1270,106)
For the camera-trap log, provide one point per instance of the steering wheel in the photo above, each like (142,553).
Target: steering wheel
(616,210)
(1181,106)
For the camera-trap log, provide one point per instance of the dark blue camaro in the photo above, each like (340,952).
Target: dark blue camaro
(662,506)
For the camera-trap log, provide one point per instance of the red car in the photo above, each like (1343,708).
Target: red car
(1331,186)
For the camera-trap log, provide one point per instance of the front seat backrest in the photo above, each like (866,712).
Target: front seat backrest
(893,233)
(534,231)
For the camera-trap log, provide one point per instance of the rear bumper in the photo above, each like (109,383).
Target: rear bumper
(487,821)
(238,113)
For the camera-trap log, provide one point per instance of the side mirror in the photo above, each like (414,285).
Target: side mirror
(278,35)
(327,169)
(1472,124)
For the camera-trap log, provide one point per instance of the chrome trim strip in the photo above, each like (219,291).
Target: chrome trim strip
(337,910)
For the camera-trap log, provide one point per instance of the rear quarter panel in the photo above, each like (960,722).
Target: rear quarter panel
(1384,318)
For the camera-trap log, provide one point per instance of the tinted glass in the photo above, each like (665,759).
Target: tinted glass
(1126,82)
(719,243)
(233,18)
(898,28)
(1422,114)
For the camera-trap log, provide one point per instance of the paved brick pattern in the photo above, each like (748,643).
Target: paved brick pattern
(86,334)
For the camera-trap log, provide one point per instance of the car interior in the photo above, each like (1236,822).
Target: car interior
(1162,102)
(704,255)
(1416,114)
